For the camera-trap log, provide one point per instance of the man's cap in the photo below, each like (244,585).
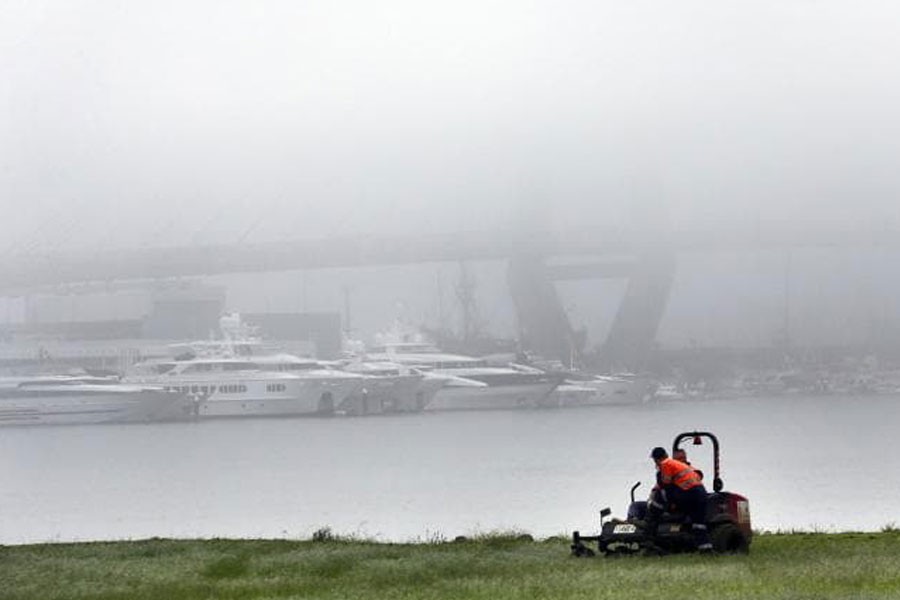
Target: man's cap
(659,453)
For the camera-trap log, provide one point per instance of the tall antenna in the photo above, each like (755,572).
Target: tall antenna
(347,324)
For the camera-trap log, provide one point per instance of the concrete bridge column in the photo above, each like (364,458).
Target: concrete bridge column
(632,336)
(544,327)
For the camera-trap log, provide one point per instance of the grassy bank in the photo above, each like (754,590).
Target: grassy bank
(814,566)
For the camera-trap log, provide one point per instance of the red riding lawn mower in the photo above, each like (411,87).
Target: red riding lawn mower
(727,516)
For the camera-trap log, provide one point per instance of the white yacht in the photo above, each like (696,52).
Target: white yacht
(233,377)
(583,389)
(224,386)
(370,387)
(69,400)
(342,387)
(471,384)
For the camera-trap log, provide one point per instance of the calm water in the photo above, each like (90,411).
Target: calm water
(823,463)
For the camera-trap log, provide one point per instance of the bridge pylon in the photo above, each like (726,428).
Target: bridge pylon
(544,327)
(632,337)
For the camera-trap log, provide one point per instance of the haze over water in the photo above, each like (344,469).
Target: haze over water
(805,463)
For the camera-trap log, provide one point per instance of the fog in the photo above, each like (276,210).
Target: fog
(145,125)
(165,124)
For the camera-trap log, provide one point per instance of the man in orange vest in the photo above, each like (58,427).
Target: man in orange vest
(680,485)
(681,455)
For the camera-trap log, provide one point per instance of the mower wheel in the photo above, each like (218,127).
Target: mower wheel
(579,550)
(728,539)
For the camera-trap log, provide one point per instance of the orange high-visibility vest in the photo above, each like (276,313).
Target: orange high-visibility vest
(673,472)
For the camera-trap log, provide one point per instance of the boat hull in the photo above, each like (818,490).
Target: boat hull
(267,398)
(85,407)
(601,392)
(382,394)
(492,397)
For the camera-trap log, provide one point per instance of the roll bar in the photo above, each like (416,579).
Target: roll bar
(697,437)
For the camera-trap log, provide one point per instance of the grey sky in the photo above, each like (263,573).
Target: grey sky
(220,121)
(128,124)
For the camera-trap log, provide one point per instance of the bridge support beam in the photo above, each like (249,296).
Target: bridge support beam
(632,336)
(544,327)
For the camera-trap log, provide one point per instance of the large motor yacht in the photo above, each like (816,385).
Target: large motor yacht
(367,388)
(69,400)
(471,383)
(239,375)
(232,386)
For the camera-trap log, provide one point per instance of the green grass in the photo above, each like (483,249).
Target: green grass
(796,566)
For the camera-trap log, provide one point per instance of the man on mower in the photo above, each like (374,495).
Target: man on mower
(678,484)
(680,454)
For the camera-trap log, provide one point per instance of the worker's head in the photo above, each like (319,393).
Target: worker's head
(658,454)
(680,455)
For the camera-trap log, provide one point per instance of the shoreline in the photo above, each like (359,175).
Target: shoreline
(327,534)
(429,538)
